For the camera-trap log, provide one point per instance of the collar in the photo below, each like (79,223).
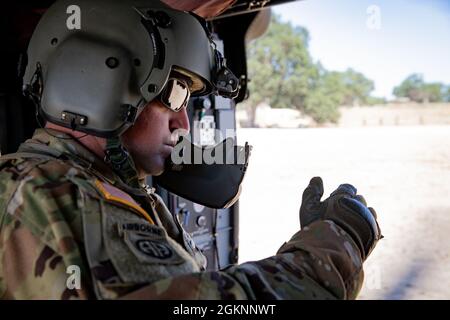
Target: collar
(66,144)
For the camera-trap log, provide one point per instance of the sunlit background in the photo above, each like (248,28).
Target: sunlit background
(368,103)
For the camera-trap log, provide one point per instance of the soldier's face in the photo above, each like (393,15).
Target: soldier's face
(150,140)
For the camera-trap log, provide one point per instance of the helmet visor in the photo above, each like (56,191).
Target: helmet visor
(175,94)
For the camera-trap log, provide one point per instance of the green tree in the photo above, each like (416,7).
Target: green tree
(415,88)
(326,94)
(280,67)
(411,88)
(434,92)
(357,87)
(446,95)
(283,74)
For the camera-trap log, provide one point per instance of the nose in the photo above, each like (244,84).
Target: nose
(179,120)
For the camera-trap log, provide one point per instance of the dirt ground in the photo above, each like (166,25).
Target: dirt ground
(402,171)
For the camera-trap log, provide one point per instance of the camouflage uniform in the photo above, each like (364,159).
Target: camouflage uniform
(60,206)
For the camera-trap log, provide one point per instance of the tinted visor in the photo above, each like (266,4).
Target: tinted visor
(175,95)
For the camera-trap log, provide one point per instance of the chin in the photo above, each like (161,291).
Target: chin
(158,173)
(156,168)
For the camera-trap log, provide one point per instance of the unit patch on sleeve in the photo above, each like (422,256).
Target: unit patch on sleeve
(116,195)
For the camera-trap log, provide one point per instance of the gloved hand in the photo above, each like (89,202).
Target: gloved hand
(345,208)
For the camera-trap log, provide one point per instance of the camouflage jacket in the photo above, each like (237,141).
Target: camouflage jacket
(70,229)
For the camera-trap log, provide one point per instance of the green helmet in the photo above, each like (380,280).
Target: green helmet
(94,64)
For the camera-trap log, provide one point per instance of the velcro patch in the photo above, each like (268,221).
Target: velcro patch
(142,228)
(149,246)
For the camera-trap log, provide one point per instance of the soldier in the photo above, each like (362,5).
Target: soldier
(72,199)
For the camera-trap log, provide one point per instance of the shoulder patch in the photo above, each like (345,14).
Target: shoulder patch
(116,195)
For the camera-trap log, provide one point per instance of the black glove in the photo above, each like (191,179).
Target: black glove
(345,208)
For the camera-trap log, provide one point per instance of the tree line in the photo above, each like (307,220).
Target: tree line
(416,89)
(283,74)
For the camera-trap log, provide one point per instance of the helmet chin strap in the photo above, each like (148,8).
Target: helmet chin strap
(121,162)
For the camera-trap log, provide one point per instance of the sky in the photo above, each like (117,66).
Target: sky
(386,40)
